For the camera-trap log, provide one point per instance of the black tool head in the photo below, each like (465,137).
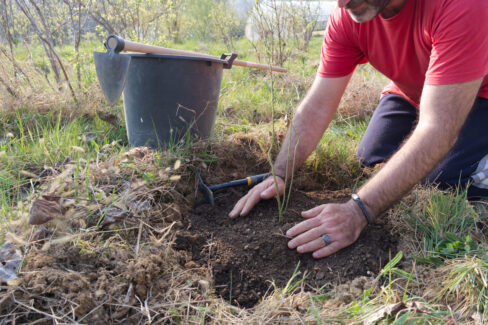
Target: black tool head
(112,71)
(207,193)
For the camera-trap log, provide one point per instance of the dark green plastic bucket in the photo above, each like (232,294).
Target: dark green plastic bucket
(167,96)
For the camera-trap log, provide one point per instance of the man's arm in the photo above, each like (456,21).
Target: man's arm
(443,111)
(311,120)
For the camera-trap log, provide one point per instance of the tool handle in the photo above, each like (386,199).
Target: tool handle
(249,181)
(118,44)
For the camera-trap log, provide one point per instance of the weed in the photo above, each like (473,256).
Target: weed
(293,283)
(465,284)
(443,222)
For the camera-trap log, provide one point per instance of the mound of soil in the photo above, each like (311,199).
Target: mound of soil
(70,278)
(248,254)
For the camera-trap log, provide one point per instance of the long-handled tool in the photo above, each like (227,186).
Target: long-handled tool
(118,44)
(207,191)
(112,67)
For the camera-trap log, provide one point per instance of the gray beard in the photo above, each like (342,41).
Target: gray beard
(365,16)
(373,9)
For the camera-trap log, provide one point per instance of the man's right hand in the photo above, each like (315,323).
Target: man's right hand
(263,191)
(309,123)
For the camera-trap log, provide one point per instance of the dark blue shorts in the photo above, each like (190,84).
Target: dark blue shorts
(466,163)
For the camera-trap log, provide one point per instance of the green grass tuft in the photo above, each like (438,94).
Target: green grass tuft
(443,222)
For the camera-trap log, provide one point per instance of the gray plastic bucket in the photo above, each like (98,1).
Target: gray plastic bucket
(166,96)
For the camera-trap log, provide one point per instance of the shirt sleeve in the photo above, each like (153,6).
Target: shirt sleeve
(459,43)
(340,52)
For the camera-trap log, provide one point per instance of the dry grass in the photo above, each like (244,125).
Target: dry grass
(23,85)
(410,241)
(362,93)
(139,205)
(260,140)
(463,285)
(75,271)
(78,272)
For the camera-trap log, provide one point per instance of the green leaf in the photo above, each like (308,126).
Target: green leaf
(148,176)
(437,261)
(365,295)
(391,264)
(403,320)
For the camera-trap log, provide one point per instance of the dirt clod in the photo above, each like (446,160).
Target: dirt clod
(43,211)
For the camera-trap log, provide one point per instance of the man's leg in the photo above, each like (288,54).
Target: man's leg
(392,121)
(467,162)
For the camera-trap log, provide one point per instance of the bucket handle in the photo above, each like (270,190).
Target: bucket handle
(229,58)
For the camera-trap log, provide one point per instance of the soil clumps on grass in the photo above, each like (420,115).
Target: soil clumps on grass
(249,254)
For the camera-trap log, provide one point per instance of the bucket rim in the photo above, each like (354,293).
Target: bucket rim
(177,57)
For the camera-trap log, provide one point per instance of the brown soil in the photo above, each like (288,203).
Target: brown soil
(89,280)
(248,254)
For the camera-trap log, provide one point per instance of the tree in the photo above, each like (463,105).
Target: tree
(78,16)
(280,26)
(140,20)
(223,23)
(39,23)
(6,24)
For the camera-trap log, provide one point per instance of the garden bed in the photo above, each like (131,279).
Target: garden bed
(247,255)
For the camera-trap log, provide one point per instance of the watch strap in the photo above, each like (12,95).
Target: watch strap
(356,199)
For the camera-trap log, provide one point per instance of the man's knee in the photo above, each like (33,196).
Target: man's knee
(467,162)
(391,122)
(367,157)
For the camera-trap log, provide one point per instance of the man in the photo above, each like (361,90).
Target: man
(430,125)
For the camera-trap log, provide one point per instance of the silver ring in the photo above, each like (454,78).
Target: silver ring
(326,239)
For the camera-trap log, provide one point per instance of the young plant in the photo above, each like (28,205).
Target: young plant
(282,202)
(293,283)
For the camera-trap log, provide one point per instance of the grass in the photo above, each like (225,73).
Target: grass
(333,163)
(43,129)
(465,283)
(443,224)
(47,141)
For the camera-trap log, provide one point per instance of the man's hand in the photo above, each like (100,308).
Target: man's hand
(343,223)
(311,119)
(263,191)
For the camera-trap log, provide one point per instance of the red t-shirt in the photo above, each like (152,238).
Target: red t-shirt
(432,42)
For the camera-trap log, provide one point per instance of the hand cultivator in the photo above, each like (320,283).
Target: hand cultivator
(207,191)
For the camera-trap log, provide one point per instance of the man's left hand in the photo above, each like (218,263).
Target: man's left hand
(343,224)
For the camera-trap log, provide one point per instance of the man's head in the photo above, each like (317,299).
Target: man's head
(365,10)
